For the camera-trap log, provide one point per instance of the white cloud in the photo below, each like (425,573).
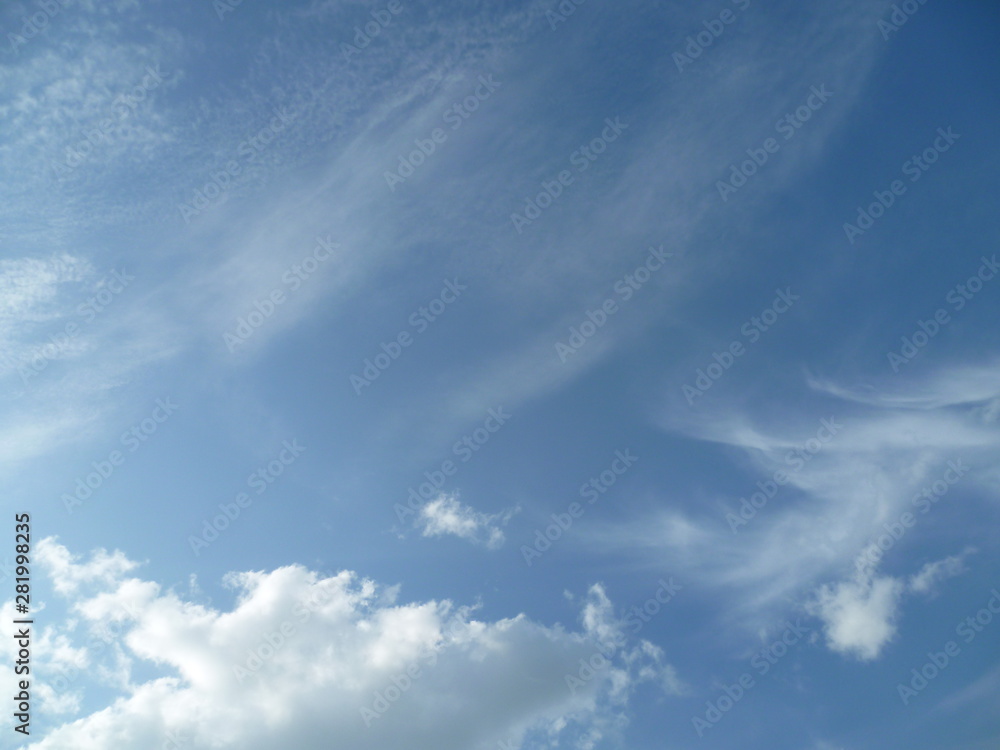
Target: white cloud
(68,574)
(833,501)
(446,515)
(933,573)
(645,661)
(860,614)
(54,655)
(300,655)
(956,385)
(362,113)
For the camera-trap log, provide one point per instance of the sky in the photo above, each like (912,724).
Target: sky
(498,376)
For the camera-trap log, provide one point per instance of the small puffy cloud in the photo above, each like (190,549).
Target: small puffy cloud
(928,577)
(446,515)
(860,614)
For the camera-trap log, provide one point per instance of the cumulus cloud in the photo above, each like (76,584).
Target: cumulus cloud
(302,657)
(859,614)
(447,515)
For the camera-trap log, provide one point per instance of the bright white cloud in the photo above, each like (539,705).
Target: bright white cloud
(302,657)
(859,615)
(447,515)
(68,574)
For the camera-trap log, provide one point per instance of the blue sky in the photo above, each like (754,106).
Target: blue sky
(533,374)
